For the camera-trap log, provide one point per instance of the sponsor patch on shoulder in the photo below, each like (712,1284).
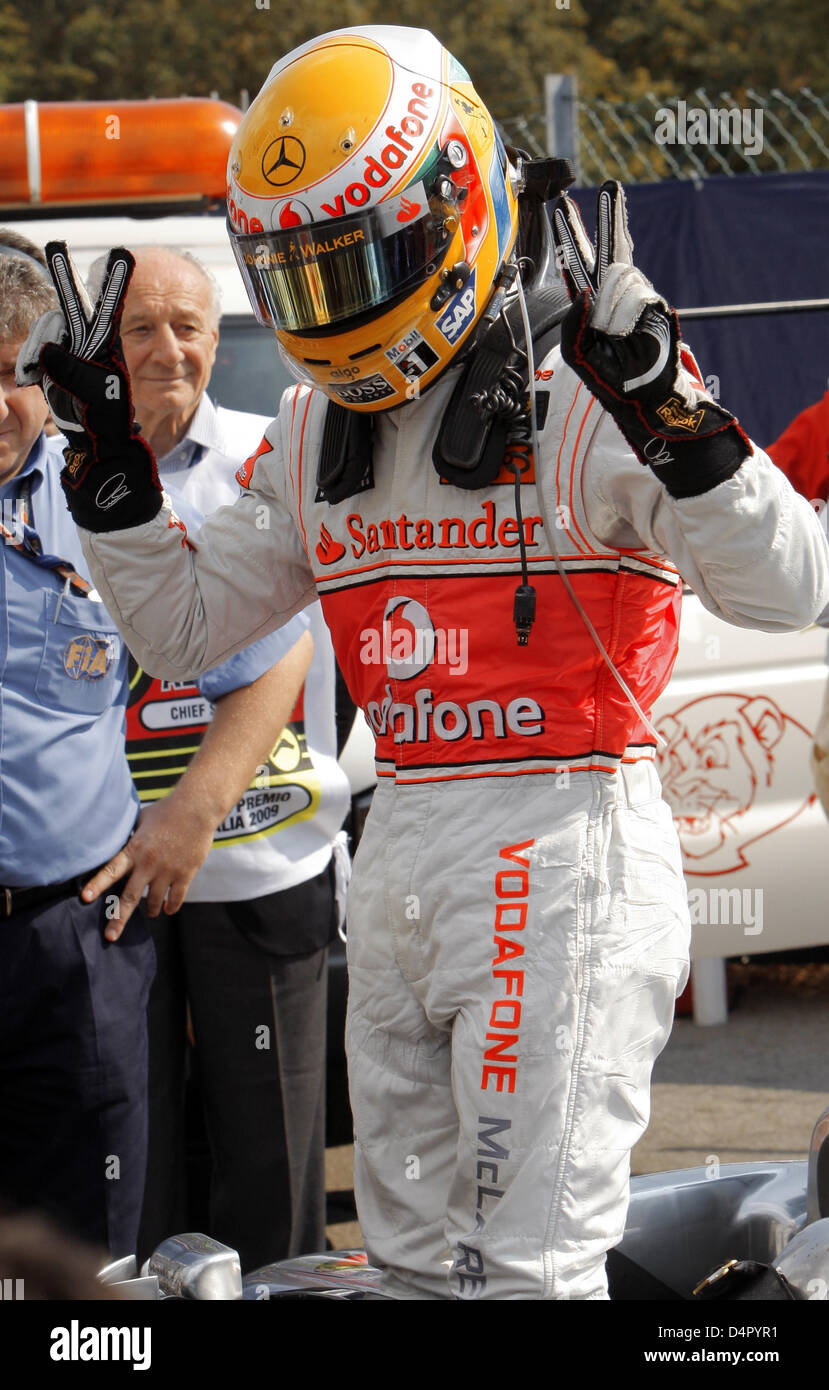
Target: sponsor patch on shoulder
(244,473)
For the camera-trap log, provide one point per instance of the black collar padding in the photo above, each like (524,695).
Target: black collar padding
(469,449)
(346,465)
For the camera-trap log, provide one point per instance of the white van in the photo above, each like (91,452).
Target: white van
(737,717)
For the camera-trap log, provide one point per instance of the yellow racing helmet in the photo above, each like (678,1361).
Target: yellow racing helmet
(371,207)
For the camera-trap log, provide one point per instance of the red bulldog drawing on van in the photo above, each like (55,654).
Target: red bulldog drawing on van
(721,771)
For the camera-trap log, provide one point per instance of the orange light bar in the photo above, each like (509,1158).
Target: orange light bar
(110,152)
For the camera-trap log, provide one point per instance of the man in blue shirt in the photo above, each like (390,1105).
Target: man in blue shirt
(75,975)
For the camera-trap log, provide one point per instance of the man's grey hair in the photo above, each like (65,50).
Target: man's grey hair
(25,294)
(95,277)
(14,243)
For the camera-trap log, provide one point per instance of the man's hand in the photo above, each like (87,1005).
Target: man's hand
(110,479)
(623,340)
(165,853)
(174,835)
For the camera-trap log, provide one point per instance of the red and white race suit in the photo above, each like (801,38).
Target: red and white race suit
(518,926)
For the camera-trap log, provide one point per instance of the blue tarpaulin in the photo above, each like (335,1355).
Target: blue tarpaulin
(750,239)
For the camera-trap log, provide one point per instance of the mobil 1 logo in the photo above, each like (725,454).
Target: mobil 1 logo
(412,355)
(459,312)
(371,388)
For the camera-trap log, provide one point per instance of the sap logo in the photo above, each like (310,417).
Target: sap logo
(458,313)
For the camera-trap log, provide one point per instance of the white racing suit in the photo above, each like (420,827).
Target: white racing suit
(518,926)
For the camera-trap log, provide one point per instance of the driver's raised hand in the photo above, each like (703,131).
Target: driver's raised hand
(110,478)
(624,341)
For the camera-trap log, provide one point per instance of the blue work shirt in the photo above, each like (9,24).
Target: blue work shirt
(67,801)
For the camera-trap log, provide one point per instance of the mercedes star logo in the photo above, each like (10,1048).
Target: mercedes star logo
(283,160)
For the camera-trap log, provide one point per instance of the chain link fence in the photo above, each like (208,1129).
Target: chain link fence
(687,138)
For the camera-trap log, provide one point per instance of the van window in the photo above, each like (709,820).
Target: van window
(248,373)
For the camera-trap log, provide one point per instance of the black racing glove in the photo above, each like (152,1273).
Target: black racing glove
(624,343)
(110,479)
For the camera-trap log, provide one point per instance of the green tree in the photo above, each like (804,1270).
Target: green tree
(66,50)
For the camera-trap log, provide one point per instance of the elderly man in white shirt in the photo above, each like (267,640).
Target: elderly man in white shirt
(262,909)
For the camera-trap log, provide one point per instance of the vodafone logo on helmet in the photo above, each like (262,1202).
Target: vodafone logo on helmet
(292,213)
(356,184)
(393,156)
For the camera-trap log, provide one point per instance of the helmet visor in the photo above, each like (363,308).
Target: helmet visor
(308,278)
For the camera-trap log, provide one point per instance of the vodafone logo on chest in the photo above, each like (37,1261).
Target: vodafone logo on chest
(409,645)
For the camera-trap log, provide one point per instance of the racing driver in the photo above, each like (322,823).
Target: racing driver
(497,466)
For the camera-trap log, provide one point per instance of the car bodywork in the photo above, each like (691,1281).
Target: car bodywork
(684,1229)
